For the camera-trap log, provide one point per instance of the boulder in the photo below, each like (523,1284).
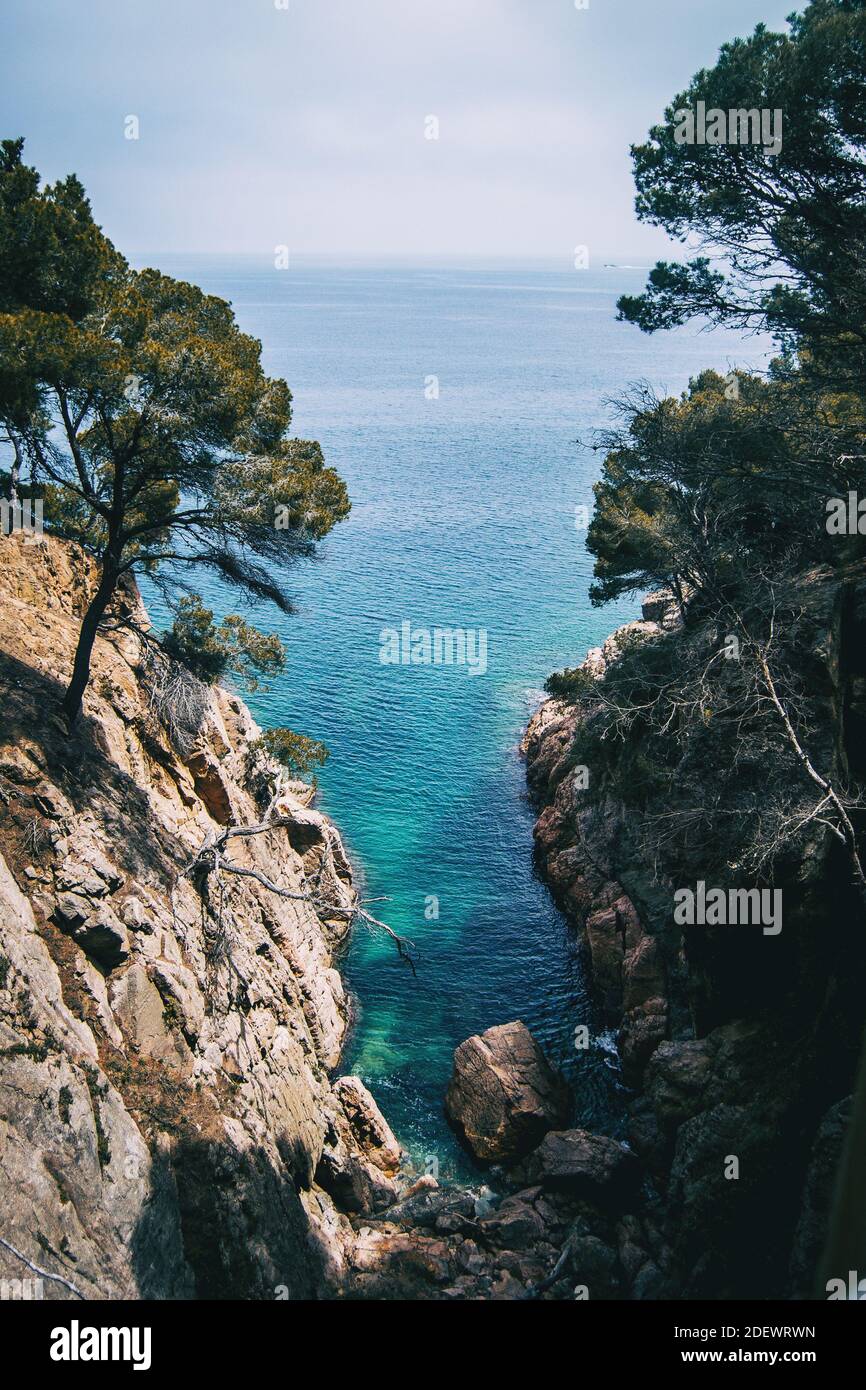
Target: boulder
(594,1267)
(583,1165)
(504,1095)
(515,1226)
(353,1182)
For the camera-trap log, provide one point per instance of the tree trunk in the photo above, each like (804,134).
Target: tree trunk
(14,484)
(86,638)
(845,1249)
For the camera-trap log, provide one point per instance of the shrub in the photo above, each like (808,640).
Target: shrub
(297,753)
(235,647)
(572,686)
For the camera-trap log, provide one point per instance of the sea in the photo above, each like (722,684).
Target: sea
(462,403)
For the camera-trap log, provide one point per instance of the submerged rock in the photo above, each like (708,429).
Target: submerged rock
(504,1095)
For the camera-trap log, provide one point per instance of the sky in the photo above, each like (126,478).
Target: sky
(304,123)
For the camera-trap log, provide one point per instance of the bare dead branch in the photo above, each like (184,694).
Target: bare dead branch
(210,861)
(42,1273)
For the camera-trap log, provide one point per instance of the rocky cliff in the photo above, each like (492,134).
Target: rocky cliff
(168,1124)
(172,1124)
(732,1048)
(172,1119)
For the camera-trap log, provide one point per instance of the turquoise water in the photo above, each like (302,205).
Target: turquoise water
(463,516)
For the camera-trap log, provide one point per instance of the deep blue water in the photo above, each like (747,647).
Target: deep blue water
(463,516)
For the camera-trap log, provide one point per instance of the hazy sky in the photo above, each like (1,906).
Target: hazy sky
(305,126)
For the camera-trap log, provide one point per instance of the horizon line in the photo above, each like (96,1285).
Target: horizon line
(566,258)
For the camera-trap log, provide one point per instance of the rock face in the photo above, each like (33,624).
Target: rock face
(167,1123)
(360,1157)
(368,1125)
(739,1077)
(504,1095)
